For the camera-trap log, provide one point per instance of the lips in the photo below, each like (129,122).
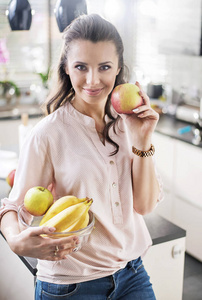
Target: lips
(93,92)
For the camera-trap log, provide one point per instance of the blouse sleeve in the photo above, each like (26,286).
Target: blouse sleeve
(34,169)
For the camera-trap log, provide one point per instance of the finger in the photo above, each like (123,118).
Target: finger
(138,84)
(59,255)
(143,94)
(148,114)
(145,97)
(65,242)
(35,231)
(141,109)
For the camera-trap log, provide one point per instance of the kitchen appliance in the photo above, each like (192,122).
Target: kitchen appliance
(187,113)
(154,90)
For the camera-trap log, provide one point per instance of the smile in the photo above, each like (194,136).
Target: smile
(93,92)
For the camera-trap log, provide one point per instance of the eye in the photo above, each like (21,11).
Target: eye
(105,67)
(80,67)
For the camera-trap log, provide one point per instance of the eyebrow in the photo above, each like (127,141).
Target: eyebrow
(106,62)
(103,63)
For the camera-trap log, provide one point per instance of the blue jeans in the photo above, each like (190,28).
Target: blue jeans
(130,283)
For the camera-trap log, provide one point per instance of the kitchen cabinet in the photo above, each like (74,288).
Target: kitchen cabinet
(180,165)
(165,265)
(188,172)
(16,280)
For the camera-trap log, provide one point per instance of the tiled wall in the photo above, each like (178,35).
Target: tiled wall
(148,32)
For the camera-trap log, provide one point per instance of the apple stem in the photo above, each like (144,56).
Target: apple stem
(42,189)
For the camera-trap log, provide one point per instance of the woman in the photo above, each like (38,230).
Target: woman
(84,148)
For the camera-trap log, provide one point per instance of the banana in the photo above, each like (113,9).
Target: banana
(79,224)
(60,205)
(69,216)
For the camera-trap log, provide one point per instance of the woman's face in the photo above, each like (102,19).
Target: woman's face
(92,68)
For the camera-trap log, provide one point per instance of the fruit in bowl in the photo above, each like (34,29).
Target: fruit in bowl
(61,204)
(72,218)
(69,215)
(37,200)
(125,97)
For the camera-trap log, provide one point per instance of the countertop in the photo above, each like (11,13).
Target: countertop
(160,229)
(15,112)
(170,126)
(167,125)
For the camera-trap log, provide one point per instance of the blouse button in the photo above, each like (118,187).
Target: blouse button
(117,203)
(111,162)
(114,184)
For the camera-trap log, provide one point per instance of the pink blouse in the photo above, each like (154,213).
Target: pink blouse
(64,150)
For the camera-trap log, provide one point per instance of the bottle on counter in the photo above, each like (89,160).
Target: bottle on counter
(24,129)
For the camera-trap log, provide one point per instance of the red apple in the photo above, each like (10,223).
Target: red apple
(10,178)
(125,97)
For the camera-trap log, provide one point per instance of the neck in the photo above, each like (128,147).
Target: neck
(97,112)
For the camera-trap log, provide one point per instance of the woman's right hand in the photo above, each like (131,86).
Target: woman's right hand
(31,243)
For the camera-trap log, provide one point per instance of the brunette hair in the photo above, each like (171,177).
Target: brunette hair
(95,29)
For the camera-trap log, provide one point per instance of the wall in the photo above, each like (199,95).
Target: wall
(149,28)
(161,38)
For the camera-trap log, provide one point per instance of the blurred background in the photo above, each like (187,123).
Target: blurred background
(163,51)
(162,45)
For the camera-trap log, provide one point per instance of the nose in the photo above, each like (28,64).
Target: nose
(93,77)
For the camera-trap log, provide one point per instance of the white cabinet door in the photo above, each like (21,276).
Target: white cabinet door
(188,173)
(166,271)
(165,149)
(189,217)
(164,158)
(16,281)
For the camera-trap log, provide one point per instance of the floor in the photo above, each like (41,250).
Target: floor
(192,279)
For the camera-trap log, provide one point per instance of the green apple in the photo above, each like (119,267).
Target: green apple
(125,97)
(37,200)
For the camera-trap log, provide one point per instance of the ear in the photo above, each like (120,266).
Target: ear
(66,71)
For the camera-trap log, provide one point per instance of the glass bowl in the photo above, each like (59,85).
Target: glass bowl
(26,220)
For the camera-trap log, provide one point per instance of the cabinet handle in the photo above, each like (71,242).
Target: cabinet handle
(176,251)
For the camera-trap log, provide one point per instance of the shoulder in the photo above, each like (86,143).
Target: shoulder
(53,122)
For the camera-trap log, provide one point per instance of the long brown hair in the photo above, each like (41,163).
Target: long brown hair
(95,29)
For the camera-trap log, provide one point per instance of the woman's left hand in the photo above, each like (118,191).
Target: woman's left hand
(142,123)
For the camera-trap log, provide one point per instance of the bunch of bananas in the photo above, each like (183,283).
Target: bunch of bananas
(68,213)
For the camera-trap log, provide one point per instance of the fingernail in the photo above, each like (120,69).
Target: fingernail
(51,229)
(136,109)
(75,240)
(76,243)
